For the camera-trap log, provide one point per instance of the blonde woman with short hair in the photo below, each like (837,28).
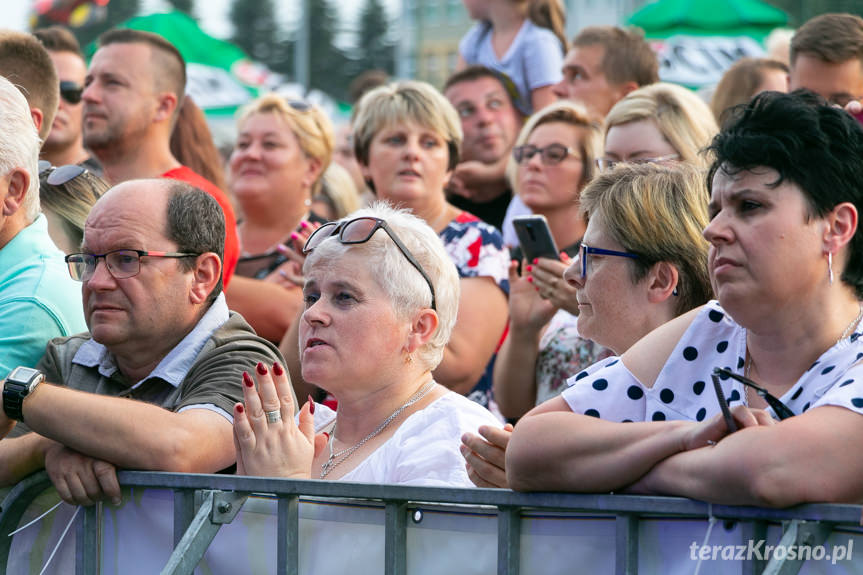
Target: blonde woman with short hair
(283,147)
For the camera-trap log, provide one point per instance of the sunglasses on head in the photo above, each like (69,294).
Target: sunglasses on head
(62,174)
(299,105)
(359,231)
(70,91)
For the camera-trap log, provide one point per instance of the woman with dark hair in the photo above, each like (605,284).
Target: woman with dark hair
(781,343)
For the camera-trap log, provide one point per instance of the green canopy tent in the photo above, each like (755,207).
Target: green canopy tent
(696,40)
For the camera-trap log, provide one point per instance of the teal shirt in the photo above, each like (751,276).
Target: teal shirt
(38,299)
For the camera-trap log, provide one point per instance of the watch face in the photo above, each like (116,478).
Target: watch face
(22,373)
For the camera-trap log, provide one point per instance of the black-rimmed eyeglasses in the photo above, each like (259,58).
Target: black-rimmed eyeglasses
(550,155)
(585,250)
(359,231)
(121,264)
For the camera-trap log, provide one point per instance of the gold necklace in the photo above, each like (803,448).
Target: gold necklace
(747,368)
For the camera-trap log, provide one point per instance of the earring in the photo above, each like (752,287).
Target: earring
(674,292)
(830,267)
(409,359)
(307,202)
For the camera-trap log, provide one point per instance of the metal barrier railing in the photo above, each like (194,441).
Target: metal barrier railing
(203,503)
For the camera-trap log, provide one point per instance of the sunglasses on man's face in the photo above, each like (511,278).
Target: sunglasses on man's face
(71,91)
(359,231)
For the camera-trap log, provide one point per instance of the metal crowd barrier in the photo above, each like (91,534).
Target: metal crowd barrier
(203,503)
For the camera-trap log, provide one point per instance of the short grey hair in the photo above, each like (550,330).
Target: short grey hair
(408,292)
(19,143)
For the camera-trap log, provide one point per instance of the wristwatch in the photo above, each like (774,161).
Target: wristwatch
(18,385)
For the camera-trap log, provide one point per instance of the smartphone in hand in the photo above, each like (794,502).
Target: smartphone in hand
(534,237)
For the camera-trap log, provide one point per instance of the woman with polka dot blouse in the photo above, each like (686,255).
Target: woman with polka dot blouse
(787,268)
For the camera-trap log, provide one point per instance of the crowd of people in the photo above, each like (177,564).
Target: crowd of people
(352,302)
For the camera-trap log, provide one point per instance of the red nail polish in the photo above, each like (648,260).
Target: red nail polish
(304,224)
(277,368)
(537,288)
(530,280)
(247,379)
(535,260)
(311,405)
(295,236)
(240,408)
(262,369)
(529,268)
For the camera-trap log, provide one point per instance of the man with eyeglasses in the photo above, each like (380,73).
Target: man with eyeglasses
(37,299)
(26,63)
(153,384)
(65,143)
(132,96)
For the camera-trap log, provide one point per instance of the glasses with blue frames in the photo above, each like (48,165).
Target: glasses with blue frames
(585,250)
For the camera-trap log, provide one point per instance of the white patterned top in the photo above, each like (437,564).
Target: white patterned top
(683,389)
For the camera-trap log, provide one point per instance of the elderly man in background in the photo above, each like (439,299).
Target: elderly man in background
(153,384)
(38,300)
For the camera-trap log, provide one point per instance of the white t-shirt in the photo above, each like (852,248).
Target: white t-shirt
(533,60)
(424,450)
(684,391)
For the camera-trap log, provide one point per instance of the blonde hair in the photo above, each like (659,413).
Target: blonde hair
(312,128)
(659,213)
(72,201)
(681,116)
(406,289)
(339,192)
(565,112)
(406,102)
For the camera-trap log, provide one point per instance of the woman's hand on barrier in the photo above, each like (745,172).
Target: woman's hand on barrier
(485,455)
(711,432)
(527,310)
(548,280)
(267,440)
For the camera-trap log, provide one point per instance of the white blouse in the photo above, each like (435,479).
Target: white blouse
(424,450)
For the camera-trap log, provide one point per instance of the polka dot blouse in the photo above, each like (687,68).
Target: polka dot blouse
(683,389)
